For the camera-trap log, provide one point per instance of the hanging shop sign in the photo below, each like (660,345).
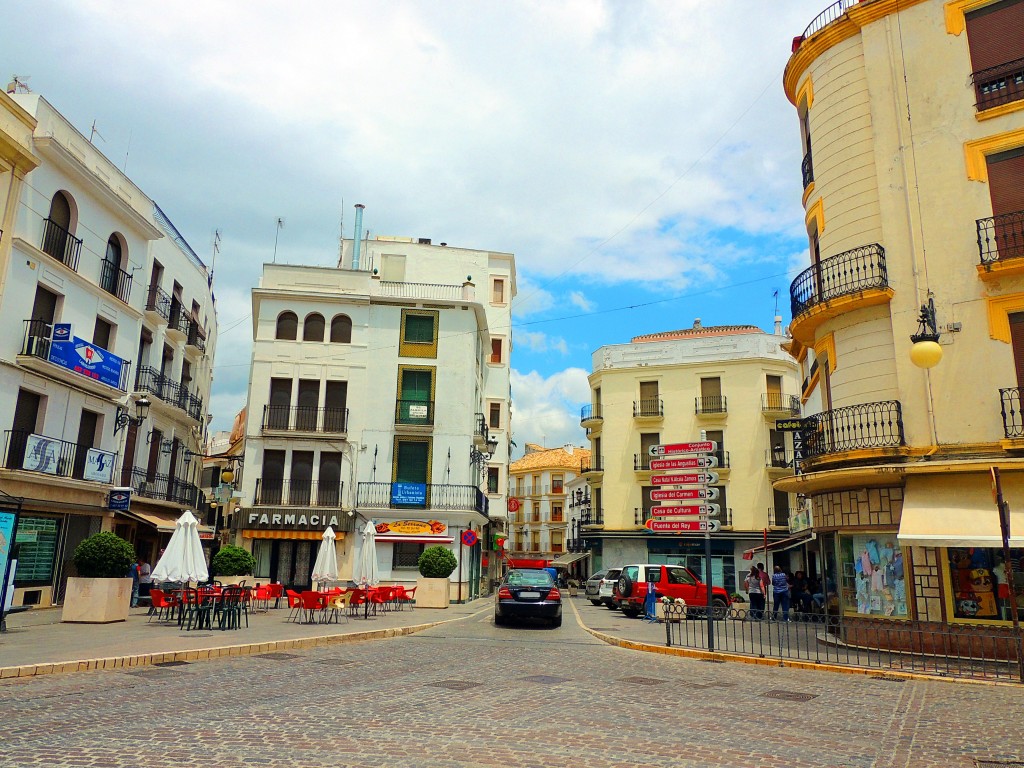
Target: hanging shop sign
(408,494)
(413,527)
(86,359)
(99,466)
(119,499)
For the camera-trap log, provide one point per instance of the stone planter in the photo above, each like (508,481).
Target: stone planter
(96,601)
(670,612)
(433,593)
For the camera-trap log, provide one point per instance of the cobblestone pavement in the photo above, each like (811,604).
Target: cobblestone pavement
(467,693)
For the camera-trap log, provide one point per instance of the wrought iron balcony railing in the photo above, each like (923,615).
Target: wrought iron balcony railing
(301,418)
(37,342)
(590,413)
(1001,84)
(158,301)
(196,336)
(61,244)
(779,458)
(162,487)
(297,493)
(711,404)
(481,430)
(414,412)
(776,402)
(150,380)
(846,273)
(778,517)
(648,407)
(870,425)
(1013,418)
(830,15)
(807,168)
(1001,237)
(592,517)
(451,498)
(115,280)
(641,462)
(593,464)
(51,456)
(178,320)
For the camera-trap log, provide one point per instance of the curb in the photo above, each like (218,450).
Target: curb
(691,653)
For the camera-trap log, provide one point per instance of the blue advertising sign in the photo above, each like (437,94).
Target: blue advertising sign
(87,360)
(409,494)
(8,524)
(118,499)
(62,331)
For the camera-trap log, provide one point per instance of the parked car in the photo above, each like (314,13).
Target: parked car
(528,594)
(593,587)
(673,581)
(605,593)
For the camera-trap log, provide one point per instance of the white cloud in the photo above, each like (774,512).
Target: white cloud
(581,301)
(546,410)
(538,341)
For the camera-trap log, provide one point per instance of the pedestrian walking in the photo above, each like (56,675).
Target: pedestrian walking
(133,572)
(780,593)
(755,592)
(766,582)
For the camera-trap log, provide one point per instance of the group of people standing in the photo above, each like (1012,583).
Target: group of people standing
(785,590)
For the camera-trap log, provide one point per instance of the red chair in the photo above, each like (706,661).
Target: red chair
(261,598)
(381,596)
(359,599)
(294,604)
(163,605)
(276,591)
(404,596)
(313,603)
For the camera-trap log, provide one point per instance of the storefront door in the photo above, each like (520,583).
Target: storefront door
(291,563)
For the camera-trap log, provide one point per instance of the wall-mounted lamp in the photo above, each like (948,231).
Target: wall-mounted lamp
(779,456)
(480,458)
(123,418)
(926,352)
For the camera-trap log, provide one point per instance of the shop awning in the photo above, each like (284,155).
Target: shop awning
(164,521)
(569,558)
(959,511)
(257,533)
(781,545)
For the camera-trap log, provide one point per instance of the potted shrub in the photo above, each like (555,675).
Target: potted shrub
(102,591)
(231,564)
(433,587)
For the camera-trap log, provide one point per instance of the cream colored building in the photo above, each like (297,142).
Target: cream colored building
(729,383)
(540,530)
(911,115)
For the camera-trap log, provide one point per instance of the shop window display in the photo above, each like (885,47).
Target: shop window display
(873,575)
(978,582)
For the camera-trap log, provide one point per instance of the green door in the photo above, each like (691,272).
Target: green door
(410,487)
(415,406)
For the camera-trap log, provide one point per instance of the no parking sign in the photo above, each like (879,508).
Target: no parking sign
(469,538)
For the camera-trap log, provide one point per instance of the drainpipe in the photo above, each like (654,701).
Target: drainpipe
(357,235)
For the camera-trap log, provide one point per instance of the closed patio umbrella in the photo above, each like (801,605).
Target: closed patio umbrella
(326,566)
(365,572)
(183,558)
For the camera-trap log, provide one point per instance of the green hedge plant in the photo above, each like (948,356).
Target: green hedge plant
(104,556)
(437,562)
(233,561)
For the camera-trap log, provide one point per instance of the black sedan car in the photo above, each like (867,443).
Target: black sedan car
(528,594)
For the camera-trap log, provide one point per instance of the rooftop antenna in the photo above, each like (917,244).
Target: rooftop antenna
(280,226)
(216,250)
(775,293)
(124,168)
(18,84)
(95,132)
(341,233)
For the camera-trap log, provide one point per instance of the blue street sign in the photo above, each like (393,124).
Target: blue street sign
(409,494)
(118,499)
(62,331)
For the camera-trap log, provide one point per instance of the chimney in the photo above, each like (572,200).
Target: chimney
(778,325)
(696,324)
(357,237)
(568,448)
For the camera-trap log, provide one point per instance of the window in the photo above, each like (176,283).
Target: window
(415,396)
(496,351)
(498,290)
(110,269)
(557,541)
(647,503)
(557,484)
(997,49)
(37,550)
(556,513)
(341,329)
(335,406)
(494,416)
(493,476)
(520,482)
(287,326)
(412,461)
(872,575)
(328,491)
(280,405)
(406,555)
(313,327)
(419,333)
(536,484)
(102,334)
(57,238)
(308,406)
(1006,191)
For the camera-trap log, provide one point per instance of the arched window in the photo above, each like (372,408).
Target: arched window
(313,328)
(287,326)
(110,269)
(341,329)
(58,241)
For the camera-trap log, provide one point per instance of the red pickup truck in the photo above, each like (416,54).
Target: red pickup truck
(673,581)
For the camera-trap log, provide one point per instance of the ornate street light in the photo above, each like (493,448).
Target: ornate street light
(123,418)
(926,352)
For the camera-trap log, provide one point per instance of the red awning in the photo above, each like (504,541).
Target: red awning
(516,562)
(780,545)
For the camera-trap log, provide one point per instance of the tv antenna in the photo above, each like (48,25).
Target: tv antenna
(18,84)
(95,132)
(280,226)
(216,250)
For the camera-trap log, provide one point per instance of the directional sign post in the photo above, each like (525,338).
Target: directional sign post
(672,449)
(682,526)
(697,462)
(704,510)
(700,478)
(678,494)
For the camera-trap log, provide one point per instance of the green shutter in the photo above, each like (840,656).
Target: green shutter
(412,459)
(419,328)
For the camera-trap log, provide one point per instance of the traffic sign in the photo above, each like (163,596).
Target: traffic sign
(469,538)
(684,493)
(687,509)
(699,478)
(697,462)
(671,449)
(792,425)
(682,526)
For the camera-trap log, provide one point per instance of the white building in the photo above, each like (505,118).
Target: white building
(374,387)
(106,305)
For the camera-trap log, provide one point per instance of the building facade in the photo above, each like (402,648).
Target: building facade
(911,116)
(541,527)
(379,391)
(728,384)
(107,307)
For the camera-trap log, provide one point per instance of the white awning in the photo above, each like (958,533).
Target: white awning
(959,511)
(781,545)
(568,558)
(164,520)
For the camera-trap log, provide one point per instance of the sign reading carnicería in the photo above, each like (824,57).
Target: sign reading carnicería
(292,521)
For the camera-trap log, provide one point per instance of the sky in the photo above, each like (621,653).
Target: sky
(640,159)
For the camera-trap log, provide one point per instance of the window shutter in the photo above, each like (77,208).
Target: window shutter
(1006,181)
(1017,344)
(412,462)
(996,34)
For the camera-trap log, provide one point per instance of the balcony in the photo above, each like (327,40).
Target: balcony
(196,341)
(448,498)
(778,517)
(779,461)
(301,418)
(421,290)
(115,280)
(776,402)
(723,460)
(1002,84)
(590,416)
(296,493)
(178,323)
(51,456)
(481,431)
(98,374)
(414,413)
(649,408)
(830,15)
(642,462)
(591,465)
(61,244)
(163,487)
(592,517)
(855,427)
(158,305)
(1001,238)
(1013,419)
(710,406)
(170,392)
(807,167)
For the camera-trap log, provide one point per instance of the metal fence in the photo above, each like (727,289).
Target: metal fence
(954,650)
(846,273)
